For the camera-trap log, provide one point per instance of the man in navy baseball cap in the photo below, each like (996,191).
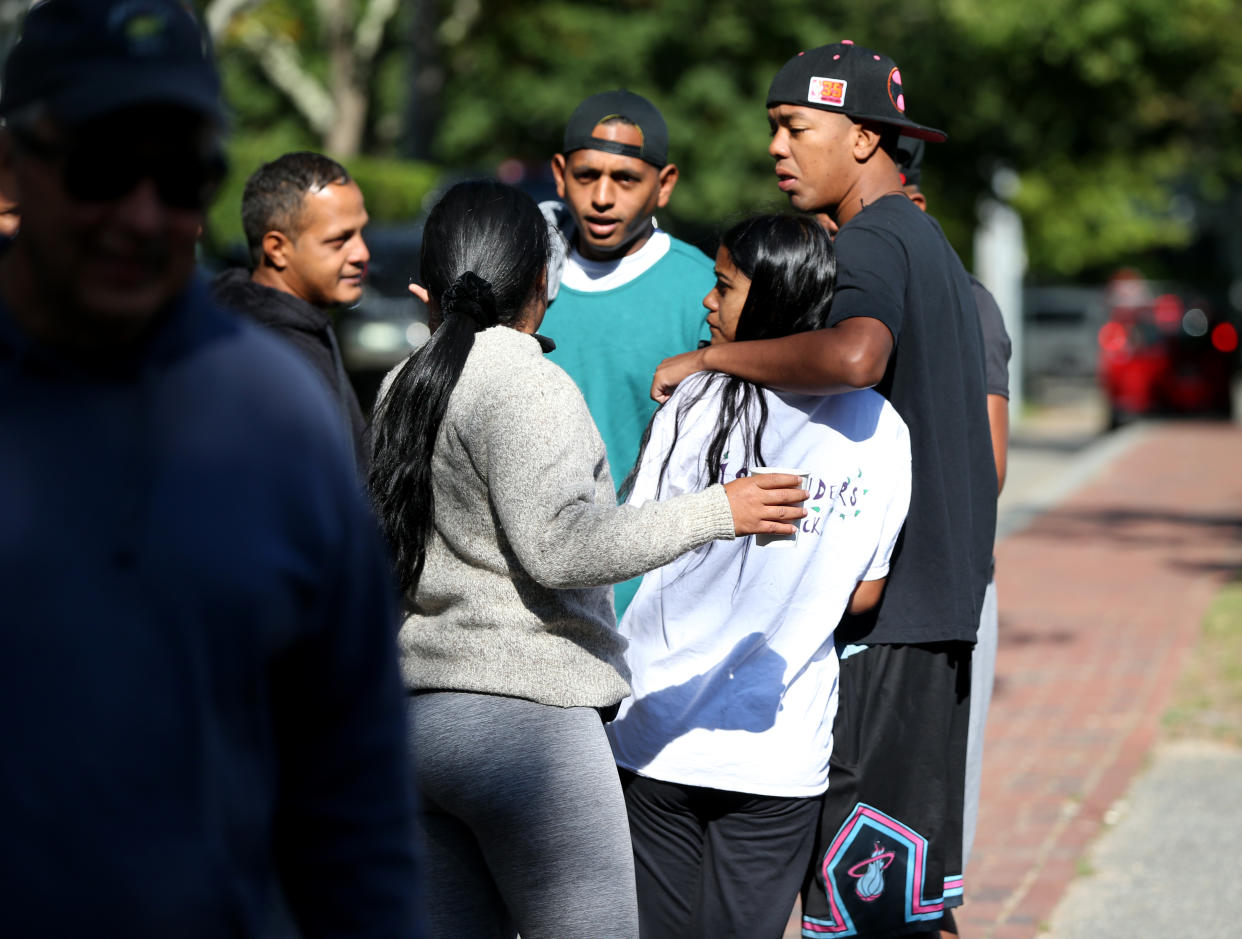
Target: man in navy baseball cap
(98,98)
(202,713)
(889,856)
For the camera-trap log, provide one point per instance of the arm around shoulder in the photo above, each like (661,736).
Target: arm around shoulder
(846,357)
(852,354)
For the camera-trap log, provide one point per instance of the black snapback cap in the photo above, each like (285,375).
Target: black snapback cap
(621,103)
(851,80)
(81,59)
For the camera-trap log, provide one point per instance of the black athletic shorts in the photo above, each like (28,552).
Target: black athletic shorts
(888,856)
(714,864)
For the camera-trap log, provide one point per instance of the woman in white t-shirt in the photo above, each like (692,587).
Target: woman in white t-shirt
(724,744)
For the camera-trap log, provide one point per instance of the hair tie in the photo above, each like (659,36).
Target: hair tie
(471,296)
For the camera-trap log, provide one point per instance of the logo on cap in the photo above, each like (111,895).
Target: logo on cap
(141,26)
(830,91)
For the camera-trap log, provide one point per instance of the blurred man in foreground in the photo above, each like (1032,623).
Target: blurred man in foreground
(201,709)
(303,218)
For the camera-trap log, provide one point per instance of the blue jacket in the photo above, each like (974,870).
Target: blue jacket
(200,693)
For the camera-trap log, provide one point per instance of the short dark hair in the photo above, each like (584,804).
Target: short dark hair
(272,199)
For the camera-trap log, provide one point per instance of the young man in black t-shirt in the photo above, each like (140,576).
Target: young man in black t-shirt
(888,862)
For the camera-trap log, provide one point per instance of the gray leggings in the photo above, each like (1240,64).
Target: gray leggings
(523,823)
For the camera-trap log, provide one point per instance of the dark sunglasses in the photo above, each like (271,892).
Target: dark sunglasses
(105,173)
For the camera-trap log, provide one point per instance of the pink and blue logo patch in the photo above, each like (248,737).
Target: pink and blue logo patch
(875,879)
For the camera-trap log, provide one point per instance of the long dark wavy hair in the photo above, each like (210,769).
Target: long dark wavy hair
(484,258)
(793,274)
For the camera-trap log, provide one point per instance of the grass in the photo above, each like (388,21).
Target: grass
(1207,704)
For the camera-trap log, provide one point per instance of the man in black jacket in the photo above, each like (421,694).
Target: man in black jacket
(303,218)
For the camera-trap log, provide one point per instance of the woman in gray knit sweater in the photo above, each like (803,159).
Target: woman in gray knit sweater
(491,483)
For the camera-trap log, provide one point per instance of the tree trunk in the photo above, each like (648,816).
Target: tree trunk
(344,138)
(353,34)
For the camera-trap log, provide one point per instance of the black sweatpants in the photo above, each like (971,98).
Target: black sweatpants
(712,864)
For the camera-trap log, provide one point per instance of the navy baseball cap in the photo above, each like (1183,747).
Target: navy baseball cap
(849,79)
(81,59)
(621,103)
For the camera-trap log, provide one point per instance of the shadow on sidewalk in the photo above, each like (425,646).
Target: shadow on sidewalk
(1120,527)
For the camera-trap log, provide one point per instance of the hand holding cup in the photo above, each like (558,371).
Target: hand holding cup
(766,503)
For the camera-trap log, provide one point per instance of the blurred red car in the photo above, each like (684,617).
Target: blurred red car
(1160,354)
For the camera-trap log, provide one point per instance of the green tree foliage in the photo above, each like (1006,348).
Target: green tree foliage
(1120,118)
(269,119)
(320,58)
(1117,115)
(519,72)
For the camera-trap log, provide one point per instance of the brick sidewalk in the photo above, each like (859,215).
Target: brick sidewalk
(1100,601)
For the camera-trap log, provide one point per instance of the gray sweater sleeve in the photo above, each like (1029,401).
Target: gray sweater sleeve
(556,504)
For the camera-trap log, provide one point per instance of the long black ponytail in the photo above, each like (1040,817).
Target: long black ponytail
(484,255)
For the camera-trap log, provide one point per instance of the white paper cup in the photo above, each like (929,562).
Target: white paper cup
(782,541)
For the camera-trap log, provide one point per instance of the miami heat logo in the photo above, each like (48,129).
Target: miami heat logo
(889,880)
(870,874)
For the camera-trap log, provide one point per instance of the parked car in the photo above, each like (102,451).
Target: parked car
(389,322)
(1165,350)
(1059,325)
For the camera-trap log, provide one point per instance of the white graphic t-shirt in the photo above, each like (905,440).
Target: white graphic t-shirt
(730,646)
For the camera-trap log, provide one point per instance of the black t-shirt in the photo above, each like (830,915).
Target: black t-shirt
(895,265)
(997,347)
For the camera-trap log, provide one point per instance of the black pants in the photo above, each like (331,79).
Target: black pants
(712,864)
